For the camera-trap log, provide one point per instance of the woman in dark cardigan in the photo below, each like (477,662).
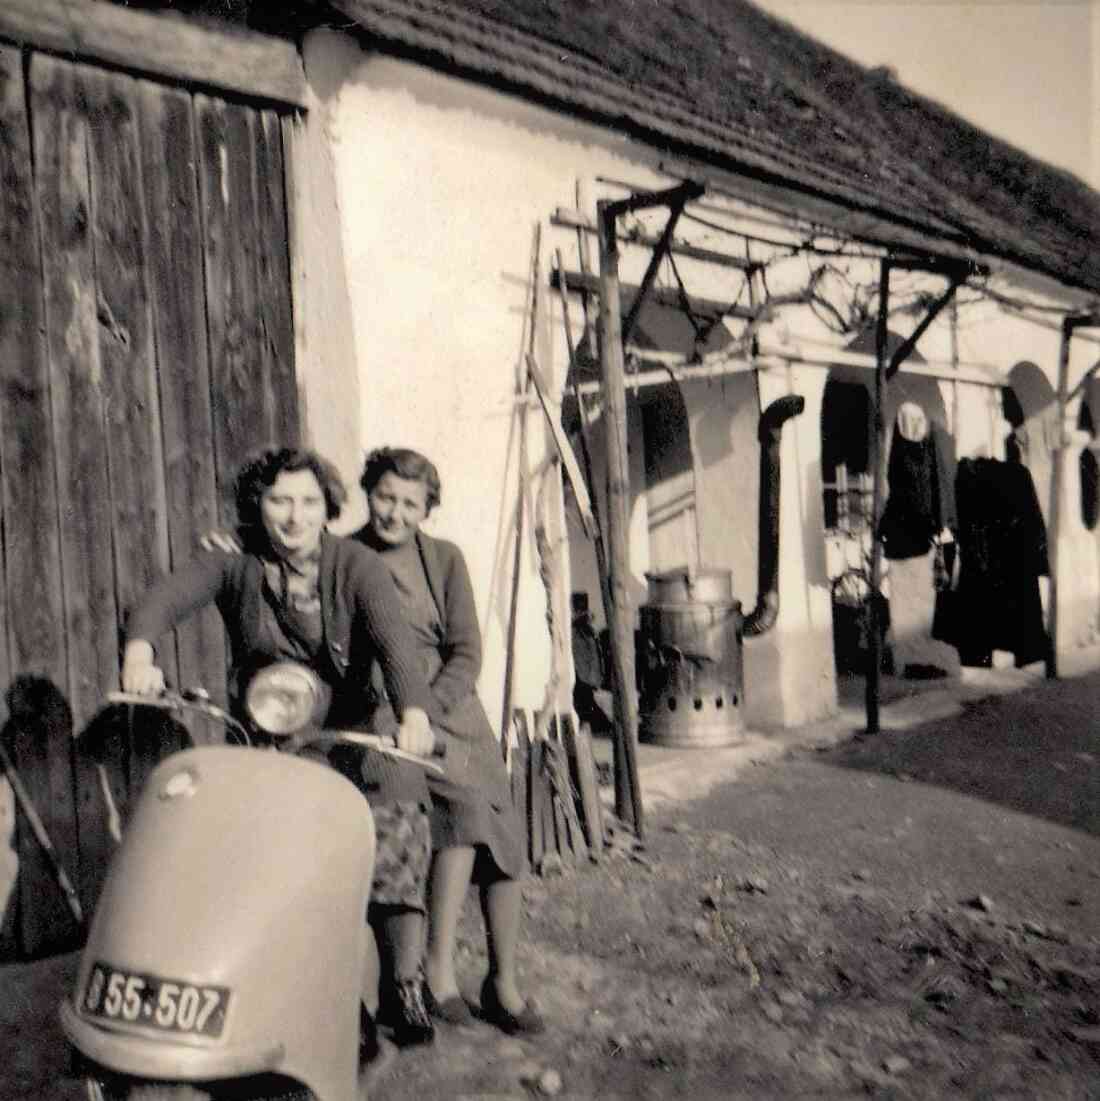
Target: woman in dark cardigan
(297,593)
(476,831)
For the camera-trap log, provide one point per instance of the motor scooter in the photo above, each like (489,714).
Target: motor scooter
(224,957)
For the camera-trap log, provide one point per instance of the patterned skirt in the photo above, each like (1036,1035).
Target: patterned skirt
(403,851)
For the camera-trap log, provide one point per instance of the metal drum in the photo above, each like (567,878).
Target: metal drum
(691,668)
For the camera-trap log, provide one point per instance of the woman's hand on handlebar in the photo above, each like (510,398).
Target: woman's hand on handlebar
(140,674)
(414,735)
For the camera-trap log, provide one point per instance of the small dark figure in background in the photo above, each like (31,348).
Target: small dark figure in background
(589,666)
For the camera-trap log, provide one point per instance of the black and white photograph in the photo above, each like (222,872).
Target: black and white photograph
(549,549)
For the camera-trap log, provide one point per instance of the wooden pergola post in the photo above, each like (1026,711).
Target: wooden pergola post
(620,608)
(1069,326)
(628,802)
(877,450)
(886,366)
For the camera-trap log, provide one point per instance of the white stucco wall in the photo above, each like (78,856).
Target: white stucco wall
(439,187)
(417,287)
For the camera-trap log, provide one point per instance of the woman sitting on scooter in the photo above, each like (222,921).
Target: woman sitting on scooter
(299,593)
(476,831)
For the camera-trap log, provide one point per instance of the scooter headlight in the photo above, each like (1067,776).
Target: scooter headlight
(286,697)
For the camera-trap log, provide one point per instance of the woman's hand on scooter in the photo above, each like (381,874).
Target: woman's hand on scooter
(141,676)
(414,735)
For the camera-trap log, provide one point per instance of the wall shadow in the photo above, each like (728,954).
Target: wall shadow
(1036,751)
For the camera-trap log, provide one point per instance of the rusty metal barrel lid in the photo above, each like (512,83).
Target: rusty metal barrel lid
(691,585)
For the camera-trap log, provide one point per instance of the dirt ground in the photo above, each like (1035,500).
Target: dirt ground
(912,915)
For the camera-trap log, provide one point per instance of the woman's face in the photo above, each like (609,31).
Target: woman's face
(293,512)
(398,506)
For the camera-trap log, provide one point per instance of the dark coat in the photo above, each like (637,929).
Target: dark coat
(472,805)
(921,501)
(1003,544)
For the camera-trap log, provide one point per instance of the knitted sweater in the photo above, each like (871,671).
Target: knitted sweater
(359,609)
(449,582)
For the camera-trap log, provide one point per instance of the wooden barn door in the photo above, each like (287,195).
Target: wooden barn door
(146,346)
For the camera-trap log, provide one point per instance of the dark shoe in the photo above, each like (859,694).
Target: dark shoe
(453,1010)
(411,1025)
(526,1022)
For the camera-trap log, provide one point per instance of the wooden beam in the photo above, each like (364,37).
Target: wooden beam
(680,193)
(1069,325)
(877,449)
(660,251)
(628,800)
(910,342)
(702,307)
(565,452)
(166,45)
(574,219)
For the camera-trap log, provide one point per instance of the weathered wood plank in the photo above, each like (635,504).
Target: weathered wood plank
(237,366)
(33,564)
(77,392)
(174,266)
(579,746)
(536,790)
(297,207)
(560,792)
(136,482)
(163,44)
(135,467)
(549,826)
(578,831)
(273,262)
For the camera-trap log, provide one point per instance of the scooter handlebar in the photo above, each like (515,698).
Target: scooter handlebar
(174,701)
(371,742)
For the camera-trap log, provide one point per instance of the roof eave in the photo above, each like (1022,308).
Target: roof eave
(861,217)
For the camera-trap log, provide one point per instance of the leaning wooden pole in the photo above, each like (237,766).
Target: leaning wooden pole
(523,390)
(878,449)
(628,800)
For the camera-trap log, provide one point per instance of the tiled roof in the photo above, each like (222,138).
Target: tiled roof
(724,83)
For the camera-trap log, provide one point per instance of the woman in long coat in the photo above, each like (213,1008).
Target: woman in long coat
(476,831)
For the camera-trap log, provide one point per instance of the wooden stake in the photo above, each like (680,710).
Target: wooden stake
(578,744)
(521,496)
(628,802)
(1056,499)
(878,449)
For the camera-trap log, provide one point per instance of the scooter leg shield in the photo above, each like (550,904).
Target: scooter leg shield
(229,935)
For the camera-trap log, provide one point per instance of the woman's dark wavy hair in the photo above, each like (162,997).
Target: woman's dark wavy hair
(405,463)
(259,474)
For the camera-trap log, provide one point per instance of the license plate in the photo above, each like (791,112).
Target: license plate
(169,1005)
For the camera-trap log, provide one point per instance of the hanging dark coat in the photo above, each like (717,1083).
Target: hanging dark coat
(921,502)
(1003,546)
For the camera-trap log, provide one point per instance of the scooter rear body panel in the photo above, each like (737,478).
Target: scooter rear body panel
(229,935)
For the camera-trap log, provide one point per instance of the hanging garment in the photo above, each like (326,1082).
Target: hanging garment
(1003,547)
(920,478)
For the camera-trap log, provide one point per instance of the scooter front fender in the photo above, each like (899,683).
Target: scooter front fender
(244,877)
